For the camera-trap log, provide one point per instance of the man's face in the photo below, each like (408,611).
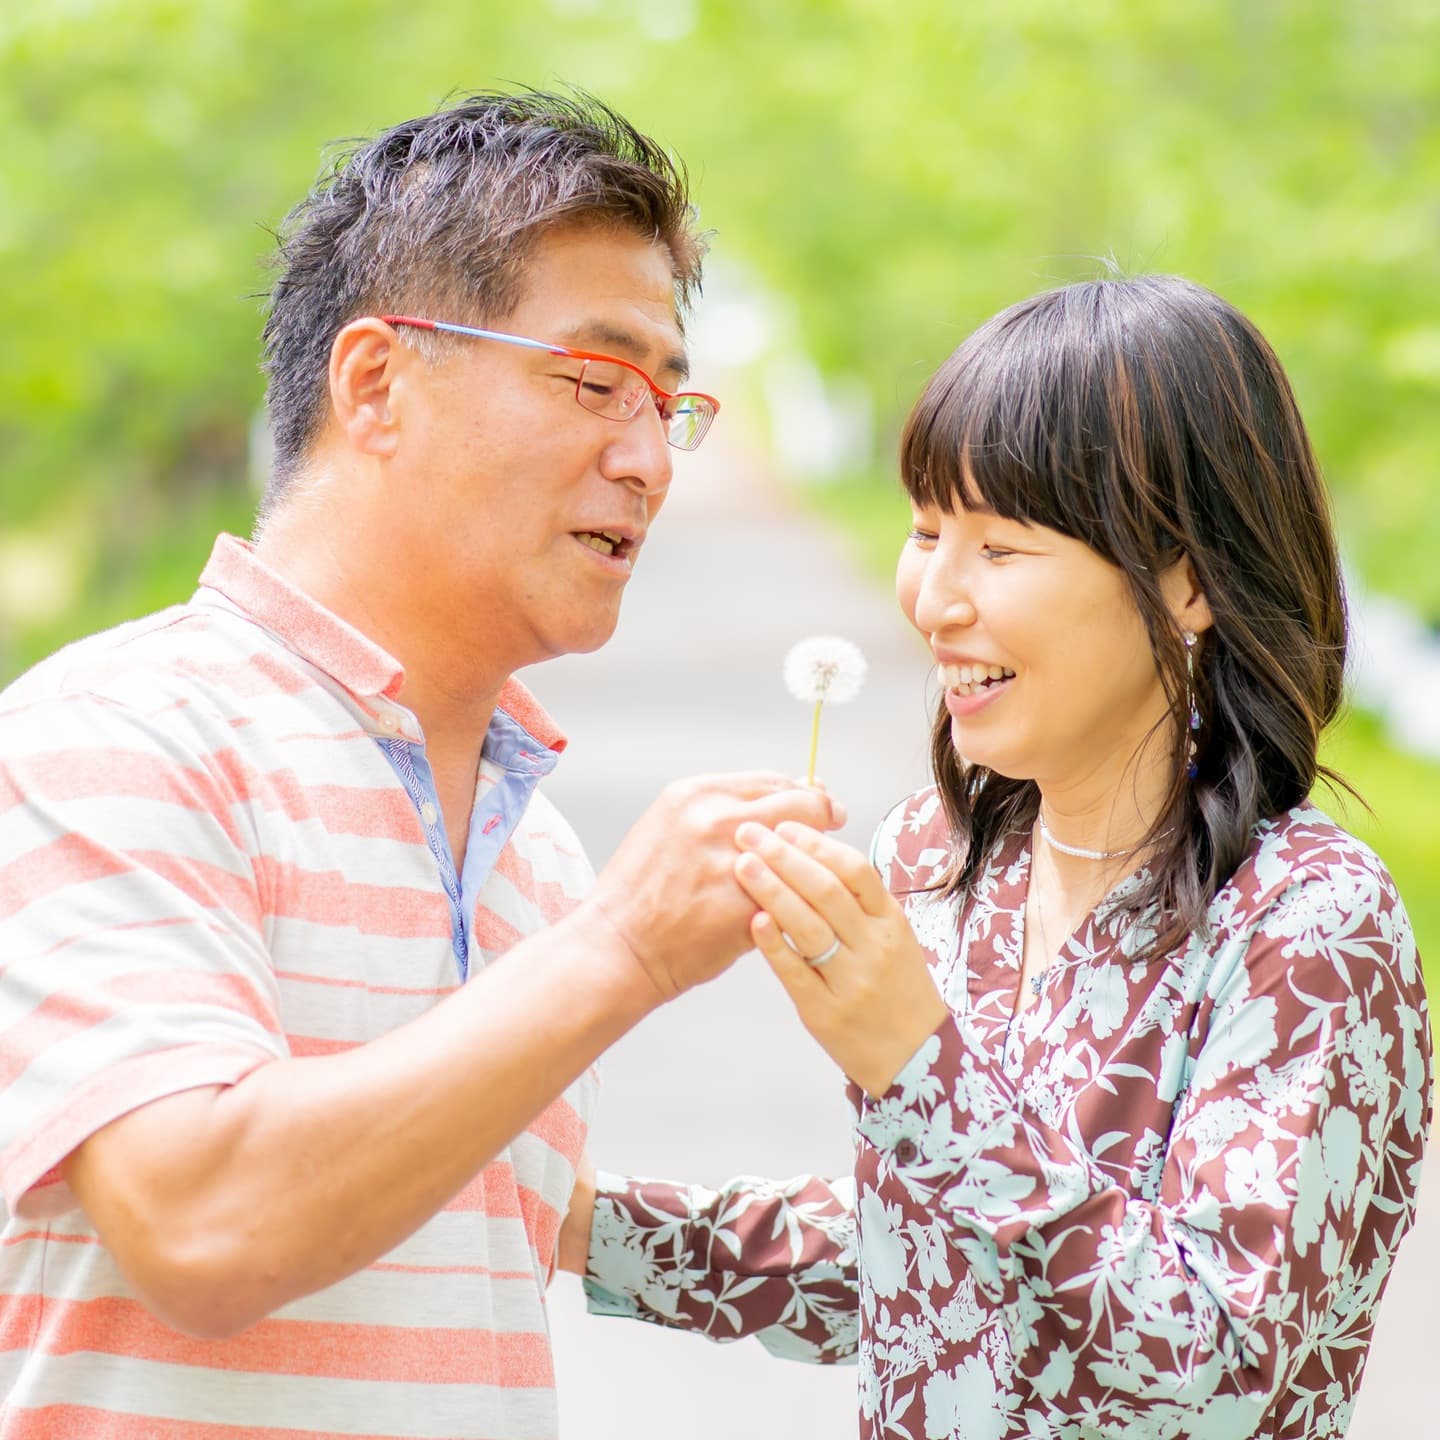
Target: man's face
(512,480)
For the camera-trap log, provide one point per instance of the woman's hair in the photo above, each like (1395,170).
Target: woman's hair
(1150,420)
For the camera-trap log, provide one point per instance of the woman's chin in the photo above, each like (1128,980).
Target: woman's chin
(1004,763)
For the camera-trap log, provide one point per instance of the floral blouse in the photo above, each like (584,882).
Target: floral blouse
(1161,1202)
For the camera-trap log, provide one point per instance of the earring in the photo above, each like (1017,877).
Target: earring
(1190,638)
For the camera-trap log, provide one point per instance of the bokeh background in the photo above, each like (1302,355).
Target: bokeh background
(880,178)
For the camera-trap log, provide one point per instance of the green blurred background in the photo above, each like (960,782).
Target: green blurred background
(885,175)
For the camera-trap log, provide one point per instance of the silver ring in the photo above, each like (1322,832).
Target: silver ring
(826,955)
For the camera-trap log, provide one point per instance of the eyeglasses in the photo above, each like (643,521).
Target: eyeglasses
(605,386)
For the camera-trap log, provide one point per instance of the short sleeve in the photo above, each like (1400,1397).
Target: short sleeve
(135,963)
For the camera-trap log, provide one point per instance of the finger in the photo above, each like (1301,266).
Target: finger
(802,982)
(849,866)
(811,933)
(799,802)
(815,883)
(745,784)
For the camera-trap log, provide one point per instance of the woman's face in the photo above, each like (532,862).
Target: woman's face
(1045,662)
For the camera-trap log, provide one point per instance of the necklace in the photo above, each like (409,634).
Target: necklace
(1037,980)
(1078,851)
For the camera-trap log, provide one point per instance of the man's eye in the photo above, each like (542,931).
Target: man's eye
(995,552)
(921,537)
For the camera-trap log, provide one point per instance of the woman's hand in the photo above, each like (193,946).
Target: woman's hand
(873,1003)
(573,1247)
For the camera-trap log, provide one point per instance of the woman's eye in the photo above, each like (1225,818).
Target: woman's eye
(995,552)
(918,536)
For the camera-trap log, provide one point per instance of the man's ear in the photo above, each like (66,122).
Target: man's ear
(369,370)
(1185,596)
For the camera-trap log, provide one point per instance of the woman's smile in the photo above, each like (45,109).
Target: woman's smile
(970,687)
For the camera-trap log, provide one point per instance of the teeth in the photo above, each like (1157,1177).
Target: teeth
(967,679)
(604,543)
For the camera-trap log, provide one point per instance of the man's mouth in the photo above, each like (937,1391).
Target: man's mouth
(972,679)
(607,542)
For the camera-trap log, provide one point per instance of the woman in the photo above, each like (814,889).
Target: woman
(1141,1051)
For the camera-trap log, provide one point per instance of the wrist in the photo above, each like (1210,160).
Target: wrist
(573,1251)
(896,1050)
(611,962)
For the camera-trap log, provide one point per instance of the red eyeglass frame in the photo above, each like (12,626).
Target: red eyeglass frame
(662,398)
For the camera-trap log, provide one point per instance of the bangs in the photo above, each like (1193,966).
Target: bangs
(1036,418)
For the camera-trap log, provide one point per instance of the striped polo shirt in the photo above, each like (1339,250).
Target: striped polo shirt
(220,845)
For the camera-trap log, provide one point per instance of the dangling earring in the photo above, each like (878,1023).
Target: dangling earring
(1190,638)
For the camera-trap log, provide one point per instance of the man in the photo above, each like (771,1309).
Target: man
(300,995)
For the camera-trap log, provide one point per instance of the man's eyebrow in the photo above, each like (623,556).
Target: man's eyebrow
(598,335)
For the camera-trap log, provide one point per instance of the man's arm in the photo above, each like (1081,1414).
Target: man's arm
(221,1204)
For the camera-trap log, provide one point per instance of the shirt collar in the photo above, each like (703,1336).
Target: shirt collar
(334,646)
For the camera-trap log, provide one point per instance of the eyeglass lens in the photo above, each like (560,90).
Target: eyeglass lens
(618,393)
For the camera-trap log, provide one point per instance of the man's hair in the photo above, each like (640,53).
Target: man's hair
(438,216)
(1149,419)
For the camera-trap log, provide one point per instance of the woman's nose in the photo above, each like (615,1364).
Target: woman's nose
(944,602)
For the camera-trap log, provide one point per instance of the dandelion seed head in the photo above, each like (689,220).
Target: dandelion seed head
(824,667)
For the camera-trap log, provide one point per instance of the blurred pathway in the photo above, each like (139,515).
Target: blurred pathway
(725,1081)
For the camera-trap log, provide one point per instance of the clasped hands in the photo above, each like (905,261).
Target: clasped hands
(718,863)
(872,1002)
(721,862)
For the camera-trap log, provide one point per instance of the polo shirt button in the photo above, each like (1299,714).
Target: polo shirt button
(907,1152)
(390,723)
(428,813)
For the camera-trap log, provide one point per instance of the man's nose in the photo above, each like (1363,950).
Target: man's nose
(639,455)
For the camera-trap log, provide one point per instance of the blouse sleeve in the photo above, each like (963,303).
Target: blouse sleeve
(1288,1181)
(773,1259)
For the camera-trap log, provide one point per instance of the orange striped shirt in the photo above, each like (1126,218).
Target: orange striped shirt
(218,847)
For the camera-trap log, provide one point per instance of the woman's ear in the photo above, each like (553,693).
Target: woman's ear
(1185,597)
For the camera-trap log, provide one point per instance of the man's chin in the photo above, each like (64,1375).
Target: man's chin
(584,639)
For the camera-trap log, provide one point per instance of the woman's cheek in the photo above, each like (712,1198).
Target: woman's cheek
(909,572)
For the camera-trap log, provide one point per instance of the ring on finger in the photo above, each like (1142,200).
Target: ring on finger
(826,955)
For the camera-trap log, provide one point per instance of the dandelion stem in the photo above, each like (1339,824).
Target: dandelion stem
(814,741)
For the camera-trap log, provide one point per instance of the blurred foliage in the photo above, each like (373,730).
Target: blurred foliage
(898,171)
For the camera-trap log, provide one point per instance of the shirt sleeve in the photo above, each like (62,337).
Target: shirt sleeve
(773,1259)
(131,930)
(1288,1180)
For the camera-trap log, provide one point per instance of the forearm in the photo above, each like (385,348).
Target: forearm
(773,1259)
(221,1205)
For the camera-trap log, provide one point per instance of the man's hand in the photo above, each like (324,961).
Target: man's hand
(670,895)
(222,1204)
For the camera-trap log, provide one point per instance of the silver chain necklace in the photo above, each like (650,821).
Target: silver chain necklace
(1037,980)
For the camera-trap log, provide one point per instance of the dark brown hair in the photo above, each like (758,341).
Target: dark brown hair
(1149,419)
(440,214)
